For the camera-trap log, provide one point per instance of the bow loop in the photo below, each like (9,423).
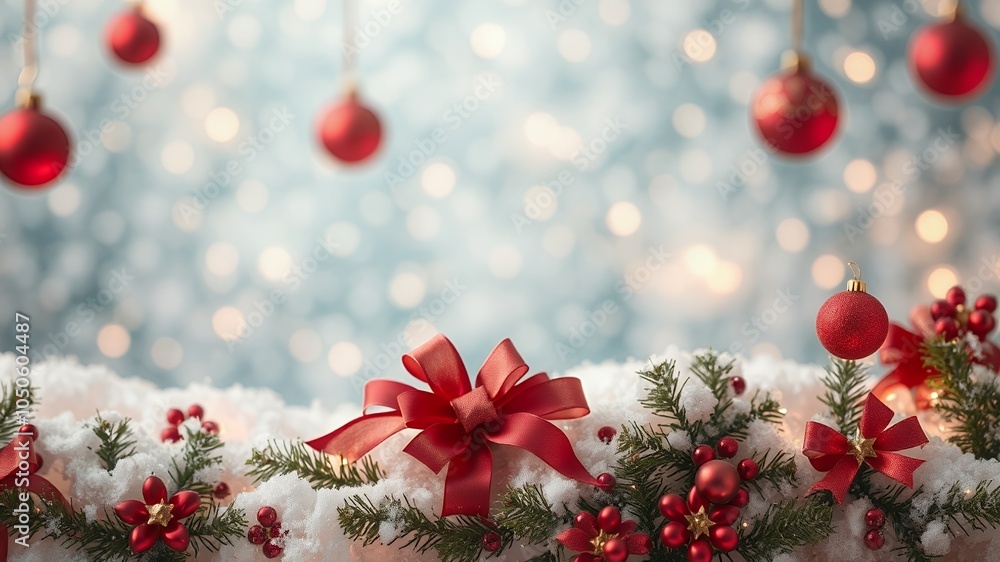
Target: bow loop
(501,370)
(438,364)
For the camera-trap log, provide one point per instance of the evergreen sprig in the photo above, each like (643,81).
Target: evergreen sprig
(778,469)
(316,467)
(10,418)
(212,527)
(845,393)
(783,528)
(198,453)
(117,441)
(971,407)
(527,514)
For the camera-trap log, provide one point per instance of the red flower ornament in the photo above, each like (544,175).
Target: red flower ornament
(831,452)
(605,538)
(157,517)
(698,524)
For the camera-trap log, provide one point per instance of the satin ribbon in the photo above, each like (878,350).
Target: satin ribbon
(831,452)
(460,424)
(22,448)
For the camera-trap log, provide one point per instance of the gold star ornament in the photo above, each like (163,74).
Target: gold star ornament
(698,523)
(159,514)
(862,448)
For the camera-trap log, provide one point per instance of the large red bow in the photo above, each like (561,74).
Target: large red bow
(829,451)
(18,463)
(459,423)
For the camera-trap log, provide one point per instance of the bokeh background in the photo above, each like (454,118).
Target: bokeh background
(670,225)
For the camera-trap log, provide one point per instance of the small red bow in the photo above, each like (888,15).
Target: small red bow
(829,451)
(459,423)
(15,475)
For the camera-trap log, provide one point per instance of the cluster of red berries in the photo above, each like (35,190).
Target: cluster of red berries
(874,519)
(953,319)
(176,417)
(268,532)
(727,448)
(605,537)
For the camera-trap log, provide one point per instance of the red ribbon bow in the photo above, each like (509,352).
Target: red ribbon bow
(459,424)
(18,464)
(829,451)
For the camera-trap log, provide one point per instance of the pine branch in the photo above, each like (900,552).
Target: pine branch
(11,417)
(527,514)
(117,441)
(777,469)
(214,527)
(314,466)
(103,539)
(664,397)
(845,393)
(971,407)
(198,454)
(783,528)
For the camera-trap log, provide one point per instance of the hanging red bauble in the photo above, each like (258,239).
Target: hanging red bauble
(717,481)
(852,324)
(132,37)
(795,111)
(34,147)
(350,131)
(952,60)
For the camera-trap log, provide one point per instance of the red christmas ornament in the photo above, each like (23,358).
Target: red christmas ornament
(157,518)
(741,498)
(170,434)
(702,454)
(951,60)
(748,469)
(221,491)
(874,539)
(875,518)
(717,481)
(739,385)
(257,535)
(795,111)
(491,541)
(695,524)
(267,516)
(350,131)
(272,549)
(852,324)
(34,148)
(607,433)
(195,411)
(605,538)
(981,323)
(132,37)
(727,447)
(615,550)
(606,481)
(955,296)
(175,416)
(210,427)
(987,303)
(30,430)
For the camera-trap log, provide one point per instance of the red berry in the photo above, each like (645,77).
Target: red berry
(981,322)
(727,447)
(607,433)
(170,434)
(702,454)
(221,491)
(724,514)
(29,429)
(875,518)
(874,539)
(675,534)
(196,411)
(748,469)
(615,550)
(739,385)
(723,537)
(955,296)
(673,507)
(741,498)
(491,541)
(267,516)
(274,531)
(606,481)
(175,416)
(987,303)
(942,309)
(609,520)
(946,328)
(272,549)
(256,535)
(210,427)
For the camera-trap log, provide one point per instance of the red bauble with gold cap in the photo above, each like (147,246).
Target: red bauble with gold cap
(34,147)
(952,60)
(795,111)
(350,131)
(132,37)
(852,324)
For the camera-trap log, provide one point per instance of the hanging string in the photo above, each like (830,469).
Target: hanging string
(798,23)
(350,49)
(26,80)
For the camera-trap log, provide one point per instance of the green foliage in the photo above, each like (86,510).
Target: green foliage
(778,469)
(527,514)
(971,407)
(117,441)
(783,528)
(845,393)
(211,527)
(314,466)
(11,417)
(199,453)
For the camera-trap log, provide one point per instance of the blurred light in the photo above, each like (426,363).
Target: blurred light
(407,289)
(116,136)
(539,203)
(505,261)
(184,219)
(689,120)
(574,45)
(345,359)
(742,86)
(437,179)
(725,279)
(167,353)
(274,263)
(565,144)
(113,340)
(228,322)
(696,166)
(792,235)
(766,349)
(623,218)
(221,259)
(939,8)
(244,31)
(488,40)
(423,223)
(558,241)
(252,196)
(305,345)
(932,226)
(828,271)
(177,157)
(614,12)
(700,259)
(343,238)
(64,199)
(699,45)
(540,128)
(197,100)
(63,39)
(221,124)
(835,8)
(977,122)
(859,67)
(860,175)
(311,10)
(940,280)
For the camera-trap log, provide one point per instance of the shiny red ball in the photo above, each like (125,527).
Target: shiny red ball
(607,433)
(29,429)
(256,535)
(874,539)
(702,454)
(952,59)
(795,111)
(606,481)
(615,550)
(748,469)
(875,518)
(981,322)
(723,537)
(34,148)
(170,435)
(609,520)
(673,507)
(947,328)
(942,309)
(196,411)
(350,131)
(267,516)
(987,303)
(221,491)
(717,481)
(724,514)
(210,427)
(739,385)
(741,498)
(491,541)
(700,550)
(175,416)
(272,549)
(727,447)
(852,324)
(675,535)
(955,296)
(132,37)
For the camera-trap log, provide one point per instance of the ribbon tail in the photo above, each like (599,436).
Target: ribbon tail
(356,438)
(839,479)
(467,486)
(898,467)
(545,441)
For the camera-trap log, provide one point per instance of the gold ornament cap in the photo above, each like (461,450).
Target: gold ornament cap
(793,59)
(856,285)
